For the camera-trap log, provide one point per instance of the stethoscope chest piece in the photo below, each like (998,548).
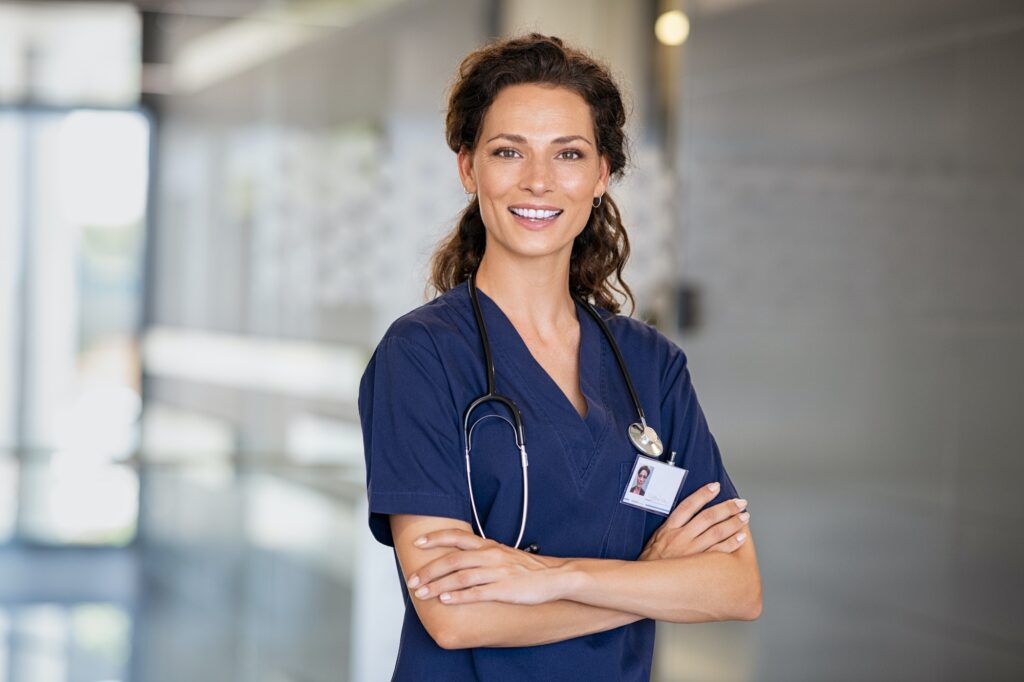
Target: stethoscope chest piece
(646,440)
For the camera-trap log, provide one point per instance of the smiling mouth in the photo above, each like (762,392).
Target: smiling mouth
(535,214)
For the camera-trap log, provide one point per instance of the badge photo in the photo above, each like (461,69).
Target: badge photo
(653,485)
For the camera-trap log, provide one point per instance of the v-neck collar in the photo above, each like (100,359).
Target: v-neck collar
(581,437)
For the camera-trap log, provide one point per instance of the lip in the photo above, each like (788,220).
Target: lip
(538,207)
(535,225)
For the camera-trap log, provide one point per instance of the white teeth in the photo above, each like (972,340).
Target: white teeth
(534,214)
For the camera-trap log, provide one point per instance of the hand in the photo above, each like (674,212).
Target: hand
(485,570)
(685,532)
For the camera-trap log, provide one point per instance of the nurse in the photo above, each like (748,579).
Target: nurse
(537,128)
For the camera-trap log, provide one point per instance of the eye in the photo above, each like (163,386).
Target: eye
(571,155)
(505,153)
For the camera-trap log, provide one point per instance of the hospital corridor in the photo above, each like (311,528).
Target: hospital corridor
(212,212)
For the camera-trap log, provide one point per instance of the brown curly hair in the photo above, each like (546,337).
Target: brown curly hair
(600,251)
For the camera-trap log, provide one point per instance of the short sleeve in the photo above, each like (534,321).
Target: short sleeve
(411,436)
(696,449)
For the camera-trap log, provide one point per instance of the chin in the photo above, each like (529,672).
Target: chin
(537,249)
(547,241)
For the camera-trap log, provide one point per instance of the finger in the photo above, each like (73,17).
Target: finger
(712,515)
(730,545)
(685,510)
(442,566)
(450,537)
(470,595)
(721,531)
(460,580)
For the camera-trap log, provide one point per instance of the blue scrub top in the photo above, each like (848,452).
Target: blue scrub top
(428,367)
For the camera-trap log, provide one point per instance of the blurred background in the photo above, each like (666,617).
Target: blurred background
(210,211)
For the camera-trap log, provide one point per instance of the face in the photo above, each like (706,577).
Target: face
(641,477)
(536,171)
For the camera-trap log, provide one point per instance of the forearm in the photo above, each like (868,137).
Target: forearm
(711,586)
(492,623)
(497,624)
(489,595)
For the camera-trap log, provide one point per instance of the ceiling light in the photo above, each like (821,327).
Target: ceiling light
(671,28)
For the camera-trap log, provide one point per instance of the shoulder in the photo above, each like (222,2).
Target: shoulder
(642,339)
(415,354)
(428,326)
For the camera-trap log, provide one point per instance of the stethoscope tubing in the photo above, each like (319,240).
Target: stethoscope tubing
(517,427)
(524,463)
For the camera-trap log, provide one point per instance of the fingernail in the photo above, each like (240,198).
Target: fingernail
(744,517)
(445,596)
(714,487)
(414,581)
(741,537)
(422,592)
(420,541)
(740,502)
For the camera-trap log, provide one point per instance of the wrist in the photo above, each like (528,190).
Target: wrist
(552,561)
(572,578)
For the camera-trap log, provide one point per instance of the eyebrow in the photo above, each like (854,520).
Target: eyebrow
(519,139)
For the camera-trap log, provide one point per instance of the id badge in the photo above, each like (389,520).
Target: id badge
(653,485)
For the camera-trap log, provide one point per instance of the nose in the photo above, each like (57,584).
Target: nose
(537,177)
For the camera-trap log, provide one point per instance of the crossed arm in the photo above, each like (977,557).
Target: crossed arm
(470,592)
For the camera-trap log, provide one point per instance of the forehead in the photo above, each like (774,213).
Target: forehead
(541,110)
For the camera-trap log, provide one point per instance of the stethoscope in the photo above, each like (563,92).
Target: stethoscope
(643,437)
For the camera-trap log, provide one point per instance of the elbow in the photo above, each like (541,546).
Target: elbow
(448,638)
(450,632)
(752,605)
(454,638)
(753,610)
(749,599)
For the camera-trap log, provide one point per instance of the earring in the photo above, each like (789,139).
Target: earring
(597,201)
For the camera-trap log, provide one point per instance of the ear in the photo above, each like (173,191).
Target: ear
(465,162)
(604,174)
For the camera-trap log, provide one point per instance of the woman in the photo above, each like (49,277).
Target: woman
(641,480)
(538,132)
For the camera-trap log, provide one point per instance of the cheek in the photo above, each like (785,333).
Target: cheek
(577,183)
(495,180)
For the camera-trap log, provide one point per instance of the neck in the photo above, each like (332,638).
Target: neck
(532,294)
